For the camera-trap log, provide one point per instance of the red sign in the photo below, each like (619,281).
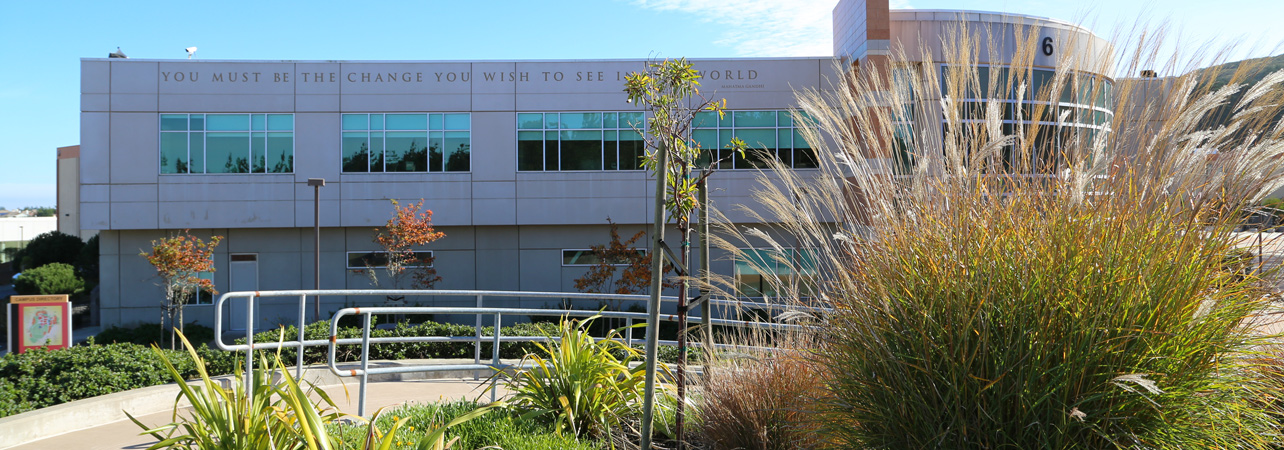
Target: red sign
(45,324)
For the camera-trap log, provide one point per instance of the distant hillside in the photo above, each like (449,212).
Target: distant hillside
(1258,68)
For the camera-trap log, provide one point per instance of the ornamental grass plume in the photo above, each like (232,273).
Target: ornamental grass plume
(1032,285)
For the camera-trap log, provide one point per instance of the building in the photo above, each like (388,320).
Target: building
(68,212)
(522,162)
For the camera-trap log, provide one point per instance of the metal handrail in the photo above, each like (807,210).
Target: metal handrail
(479,311)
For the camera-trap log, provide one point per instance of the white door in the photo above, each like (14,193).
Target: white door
(243,275)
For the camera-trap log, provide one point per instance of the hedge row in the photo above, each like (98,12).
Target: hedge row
(38,379)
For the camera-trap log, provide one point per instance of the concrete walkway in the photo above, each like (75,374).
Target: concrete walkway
(123,434)
(100,422)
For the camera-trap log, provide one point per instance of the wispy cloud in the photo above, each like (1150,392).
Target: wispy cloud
(763,27)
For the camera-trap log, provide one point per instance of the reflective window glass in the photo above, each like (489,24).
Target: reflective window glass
(173,122)
(530,150)
(227,122)
(280,152)
(530,121)
(258,152)
(458,121)
(355,121)
(173,157)
(356,152)
(227,152)
(754,118)
(457,148)
(407,145)
(196,152)
(406,122)
(280,122)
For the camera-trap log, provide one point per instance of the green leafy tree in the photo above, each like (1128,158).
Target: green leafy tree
(87,260)
(179,261)
(51,247)
(670,91)
(49,279)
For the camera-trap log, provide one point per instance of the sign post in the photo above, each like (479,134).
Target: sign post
(37,321)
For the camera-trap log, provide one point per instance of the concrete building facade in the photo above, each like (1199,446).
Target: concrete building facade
(521,162)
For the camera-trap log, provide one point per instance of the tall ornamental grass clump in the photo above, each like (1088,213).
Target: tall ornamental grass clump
(1033,285)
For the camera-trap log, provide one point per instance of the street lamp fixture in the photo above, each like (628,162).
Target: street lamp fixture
(316,184)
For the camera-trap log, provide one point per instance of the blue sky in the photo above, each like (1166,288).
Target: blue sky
(41,42)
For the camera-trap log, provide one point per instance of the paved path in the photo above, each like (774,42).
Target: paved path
(123,434)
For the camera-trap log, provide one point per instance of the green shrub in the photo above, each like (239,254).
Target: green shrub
(51,247)
(1009,291)
(49,279)
(146,334)
(38,378)
(422,350)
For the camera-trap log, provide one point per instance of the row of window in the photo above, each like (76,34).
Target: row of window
(442,142)
(752,274)
(227,143)
(407,142)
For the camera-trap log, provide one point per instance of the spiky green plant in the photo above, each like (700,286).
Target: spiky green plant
(580,382)
(994,291)
(278,415)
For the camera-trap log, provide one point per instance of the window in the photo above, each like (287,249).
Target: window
(226,143)
(204,297)
(376,260)
(407,142)
(580,141)
(767,133)
(586,257)
(1080,109)
(755,270)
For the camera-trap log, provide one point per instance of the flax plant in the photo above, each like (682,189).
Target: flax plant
(997,289)
(585,385)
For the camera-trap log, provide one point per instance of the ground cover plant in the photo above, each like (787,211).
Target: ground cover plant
(1032,285)
(503,428)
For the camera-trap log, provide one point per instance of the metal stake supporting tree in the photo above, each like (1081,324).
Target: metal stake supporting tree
(669,90)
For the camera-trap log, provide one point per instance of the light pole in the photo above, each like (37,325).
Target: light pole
(316,184)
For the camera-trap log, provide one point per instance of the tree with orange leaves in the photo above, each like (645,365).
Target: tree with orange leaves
(635,277)
(179,261)
(409,227)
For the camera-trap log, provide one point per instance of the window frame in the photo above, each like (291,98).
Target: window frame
(428,131)
(250,131)
(588,251)
(545,129)
(795,257)
(348,260)
(784,122)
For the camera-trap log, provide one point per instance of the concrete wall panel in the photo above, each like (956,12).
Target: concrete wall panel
(133,215)
(95,102)
(227,214)
(134,77)
(216,103)
(95,149)
(134,150)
